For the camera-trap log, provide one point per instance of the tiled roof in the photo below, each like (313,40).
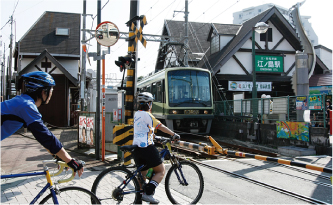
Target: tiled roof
(321,79)
(42,36)
(226,29)
(197,35)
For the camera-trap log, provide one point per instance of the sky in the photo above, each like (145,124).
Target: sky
(27,12)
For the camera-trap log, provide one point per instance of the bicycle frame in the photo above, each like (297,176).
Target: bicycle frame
(167,151)
(48,185)
(47,174)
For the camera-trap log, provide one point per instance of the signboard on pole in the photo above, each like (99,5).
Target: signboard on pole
(82,128)
(315,102)
(272,64)
(302,103)
(90,131)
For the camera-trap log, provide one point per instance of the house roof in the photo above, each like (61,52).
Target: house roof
(42,36)
(197,35)
(46,54)
(223,29)
(320,79)
(220,58)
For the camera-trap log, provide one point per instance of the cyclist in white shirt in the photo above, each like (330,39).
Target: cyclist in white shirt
(144,125)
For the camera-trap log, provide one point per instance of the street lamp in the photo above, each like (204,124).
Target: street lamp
(260,27)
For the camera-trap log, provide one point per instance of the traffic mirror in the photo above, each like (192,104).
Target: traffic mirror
(107,33)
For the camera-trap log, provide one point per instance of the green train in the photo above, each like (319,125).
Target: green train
(183,98)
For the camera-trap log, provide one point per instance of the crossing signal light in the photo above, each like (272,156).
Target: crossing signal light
(123,62)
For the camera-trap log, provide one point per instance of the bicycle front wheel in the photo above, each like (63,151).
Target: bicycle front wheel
(109,187)
(72,195)
(184,184)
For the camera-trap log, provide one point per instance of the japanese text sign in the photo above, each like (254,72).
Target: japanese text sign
(269,63)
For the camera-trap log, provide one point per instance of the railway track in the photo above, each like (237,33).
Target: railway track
(272,187)
(291,168)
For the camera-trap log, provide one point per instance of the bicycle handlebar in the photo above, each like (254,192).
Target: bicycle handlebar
(163,140)
(61,169)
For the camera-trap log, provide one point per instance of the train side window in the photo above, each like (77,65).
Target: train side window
(163,91)
(154,90)
(158,96)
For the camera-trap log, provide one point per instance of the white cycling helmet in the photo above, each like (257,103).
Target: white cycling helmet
(145,97)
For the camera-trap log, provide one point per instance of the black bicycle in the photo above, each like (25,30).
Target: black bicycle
(184,182)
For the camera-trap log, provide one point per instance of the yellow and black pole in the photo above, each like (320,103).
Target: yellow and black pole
(280,161)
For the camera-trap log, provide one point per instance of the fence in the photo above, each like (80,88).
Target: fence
(275,109)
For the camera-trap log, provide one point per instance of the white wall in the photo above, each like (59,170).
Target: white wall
(70,65)
(224,40)
(325,56)
(232,67)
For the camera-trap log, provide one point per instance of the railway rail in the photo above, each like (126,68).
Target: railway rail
(272,187)
(292,168)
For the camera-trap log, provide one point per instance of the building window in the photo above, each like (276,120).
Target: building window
(240,16)
(62,31)
(268,35)
(215,44)
(259,10)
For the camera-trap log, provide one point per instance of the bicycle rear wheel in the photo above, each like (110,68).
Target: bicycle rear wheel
(106,187)
(184,184)
(72,195)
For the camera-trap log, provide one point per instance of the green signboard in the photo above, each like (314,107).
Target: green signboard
(272,64)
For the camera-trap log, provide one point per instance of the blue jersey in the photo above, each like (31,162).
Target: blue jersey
(22,110)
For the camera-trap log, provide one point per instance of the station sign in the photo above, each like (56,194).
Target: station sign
(272,64)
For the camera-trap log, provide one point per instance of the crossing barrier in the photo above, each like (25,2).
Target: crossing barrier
(216,148)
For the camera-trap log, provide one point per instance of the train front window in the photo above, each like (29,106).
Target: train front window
(189,88)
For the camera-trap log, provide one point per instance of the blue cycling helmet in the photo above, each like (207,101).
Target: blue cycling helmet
(37,79)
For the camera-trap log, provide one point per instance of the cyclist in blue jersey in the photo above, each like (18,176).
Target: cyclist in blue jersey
(22,111)
(146,153)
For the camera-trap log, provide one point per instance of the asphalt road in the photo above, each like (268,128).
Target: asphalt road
(24,154)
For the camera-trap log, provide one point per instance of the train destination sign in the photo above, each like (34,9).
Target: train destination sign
(272,64)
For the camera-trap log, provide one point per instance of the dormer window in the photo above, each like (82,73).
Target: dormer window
(215,44)
(62,31)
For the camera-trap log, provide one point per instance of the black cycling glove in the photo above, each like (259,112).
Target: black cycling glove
(176,137)
(75,164)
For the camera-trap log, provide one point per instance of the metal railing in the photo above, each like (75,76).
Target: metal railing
(274,109)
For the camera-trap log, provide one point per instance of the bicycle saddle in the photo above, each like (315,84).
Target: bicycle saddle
(129,148)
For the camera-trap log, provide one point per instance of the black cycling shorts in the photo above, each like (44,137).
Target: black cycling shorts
(148,156)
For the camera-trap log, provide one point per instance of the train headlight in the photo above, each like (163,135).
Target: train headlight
(174,112)
(206,112)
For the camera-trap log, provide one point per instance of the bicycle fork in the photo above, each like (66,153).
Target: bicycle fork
(179,173)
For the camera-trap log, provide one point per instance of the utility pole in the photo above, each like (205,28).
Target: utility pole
(83,65)
(302,79)
(186,34)
(98,106)
(132,71)
(3,73)
(9,73)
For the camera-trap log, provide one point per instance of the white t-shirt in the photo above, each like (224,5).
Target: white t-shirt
(144,125)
